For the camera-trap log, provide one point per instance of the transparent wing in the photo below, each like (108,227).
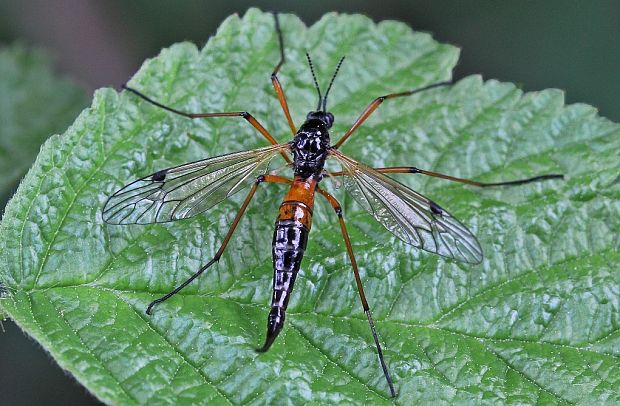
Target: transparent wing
(407,214)
(183,191)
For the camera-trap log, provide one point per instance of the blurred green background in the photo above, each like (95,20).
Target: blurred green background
(566,44)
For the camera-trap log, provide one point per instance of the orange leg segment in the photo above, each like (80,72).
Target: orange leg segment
(220,251)
(274,78)
(247,116)
(413,169)
(360,288)
(377,102)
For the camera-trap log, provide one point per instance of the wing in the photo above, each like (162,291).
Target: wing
(184,191)
(407,214)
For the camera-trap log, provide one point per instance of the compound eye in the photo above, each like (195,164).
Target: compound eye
(330,119)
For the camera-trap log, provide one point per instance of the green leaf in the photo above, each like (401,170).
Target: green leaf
(34,104)
(536,322)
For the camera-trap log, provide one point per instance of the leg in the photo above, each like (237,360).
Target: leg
(274,78)
(413,169)
(247,116)
(334,203)
(220,251)
(377,102)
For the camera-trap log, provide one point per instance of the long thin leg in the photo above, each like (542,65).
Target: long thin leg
(377,102)
(220,251)
(413,169)
(276,82)
(247,116)
(360,288)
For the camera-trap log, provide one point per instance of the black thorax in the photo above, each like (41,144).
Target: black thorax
(311,145)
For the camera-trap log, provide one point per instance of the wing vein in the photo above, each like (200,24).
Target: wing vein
(186,190)
(408,215)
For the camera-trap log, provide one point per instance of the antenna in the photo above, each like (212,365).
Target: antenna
(316,84)
(331,82)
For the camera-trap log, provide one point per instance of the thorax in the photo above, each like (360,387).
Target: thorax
(310,148)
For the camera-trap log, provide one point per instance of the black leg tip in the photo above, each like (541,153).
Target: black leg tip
(149,309)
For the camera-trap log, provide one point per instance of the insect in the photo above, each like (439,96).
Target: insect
(187,190)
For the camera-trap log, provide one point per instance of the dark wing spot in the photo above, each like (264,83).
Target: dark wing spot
(436,209)
(159,175)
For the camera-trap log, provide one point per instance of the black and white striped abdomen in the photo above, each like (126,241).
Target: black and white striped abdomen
(289,244)
(290,238)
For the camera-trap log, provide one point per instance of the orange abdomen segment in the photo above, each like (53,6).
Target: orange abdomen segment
(299,202)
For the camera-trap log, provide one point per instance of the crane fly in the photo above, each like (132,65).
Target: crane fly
(187,190)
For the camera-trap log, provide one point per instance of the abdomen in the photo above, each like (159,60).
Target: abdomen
(290,239)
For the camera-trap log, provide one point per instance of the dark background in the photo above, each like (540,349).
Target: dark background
(571,45)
